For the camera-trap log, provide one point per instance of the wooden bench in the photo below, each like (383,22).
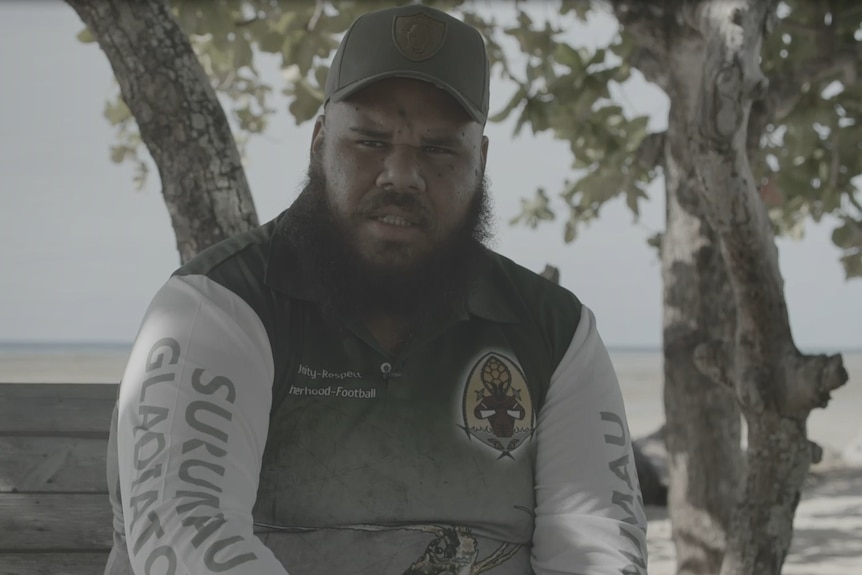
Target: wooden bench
(55,517)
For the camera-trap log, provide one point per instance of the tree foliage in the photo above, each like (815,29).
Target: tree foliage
(807,152)
(811,152)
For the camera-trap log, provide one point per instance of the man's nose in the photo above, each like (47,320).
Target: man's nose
(401,170)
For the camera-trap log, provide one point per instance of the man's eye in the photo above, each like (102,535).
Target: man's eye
(435,150)
(372,143)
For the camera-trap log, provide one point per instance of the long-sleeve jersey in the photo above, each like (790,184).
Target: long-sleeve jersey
(254,436)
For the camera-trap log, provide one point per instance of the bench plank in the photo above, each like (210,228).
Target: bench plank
(52,464)
(52,563)
(71,410)
(54,522)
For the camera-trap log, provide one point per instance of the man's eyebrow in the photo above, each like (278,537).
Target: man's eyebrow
(370,132)
(441,141)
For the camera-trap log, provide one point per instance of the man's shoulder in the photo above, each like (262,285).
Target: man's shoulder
(539,316)
(239,264)
(538,294)
(240,254)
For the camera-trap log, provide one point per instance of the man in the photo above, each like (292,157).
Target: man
(360,386)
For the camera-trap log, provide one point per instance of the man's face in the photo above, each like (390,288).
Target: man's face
(402,162)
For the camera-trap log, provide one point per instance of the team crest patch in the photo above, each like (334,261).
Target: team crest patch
(497,407)
(418,37)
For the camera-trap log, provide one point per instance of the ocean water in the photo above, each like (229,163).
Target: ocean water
(639,370)
(62,362)
(103,362)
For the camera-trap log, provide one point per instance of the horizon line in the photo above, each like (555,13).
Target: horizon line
(619,348)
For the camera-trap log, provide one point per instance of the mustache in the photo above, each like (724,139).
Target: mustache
(407,203)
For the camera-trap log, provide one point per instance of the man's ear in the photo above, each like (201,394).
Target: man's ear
(317,136)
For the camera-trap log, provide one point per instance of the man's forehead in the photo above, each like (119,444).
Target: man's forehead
(407,96)
(383,118)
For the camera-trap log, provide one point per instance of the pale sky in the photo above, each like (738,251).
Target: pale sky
(82,253)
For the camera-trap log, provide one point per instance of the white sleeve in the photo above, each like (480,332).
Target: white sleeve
(589,511)
(193,415)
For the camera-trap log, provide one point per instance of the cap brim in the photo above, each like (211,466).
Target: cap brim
(351,89)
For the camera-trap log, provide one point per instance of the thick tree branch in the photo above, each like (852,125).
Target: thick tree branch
(652,63)
(180,119)
(731,81)
(656,26)
(811,380)
(656,18)
(775,385)
(715,360)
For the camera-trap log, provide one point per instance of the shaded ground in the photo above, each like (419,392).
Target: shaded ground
(827,537)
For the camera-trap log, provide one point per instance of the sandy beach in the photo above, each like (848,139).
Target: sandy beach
(828,525)
(835,428)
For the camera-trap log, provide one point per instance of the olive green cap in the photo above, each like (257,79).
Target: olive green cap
(413,41)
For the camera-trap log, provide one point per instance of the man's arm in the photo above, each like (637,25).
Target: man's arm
(193,415)
(589,512)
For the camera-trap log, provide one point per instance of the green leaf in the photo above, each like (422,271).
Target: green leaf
(303,55)
(656,240)
(637,130)
(570,231)
(249,121)
(285,21)
(85,36)
(243,56)
(517,98)
(582,9)
(568,56)
(337,23)
(535,210)
(140,176)
(118,154)
(320,73)
(598,57)
(622,73)
(852,265)
(582,163)
(524,20)
(306,103)
(117,112)
(849,235)
(623,46)
(271,43)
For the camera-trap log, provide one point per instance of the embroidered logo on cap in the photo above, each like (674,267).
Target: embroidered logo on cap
(419,37)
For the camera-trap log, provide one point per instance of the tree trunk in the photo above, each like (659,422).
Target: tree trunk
(775,385)
(703,422)
(179,116)
(705,462)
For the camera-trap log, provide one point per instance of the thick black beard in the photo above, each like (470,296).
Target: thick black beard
(347,285)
